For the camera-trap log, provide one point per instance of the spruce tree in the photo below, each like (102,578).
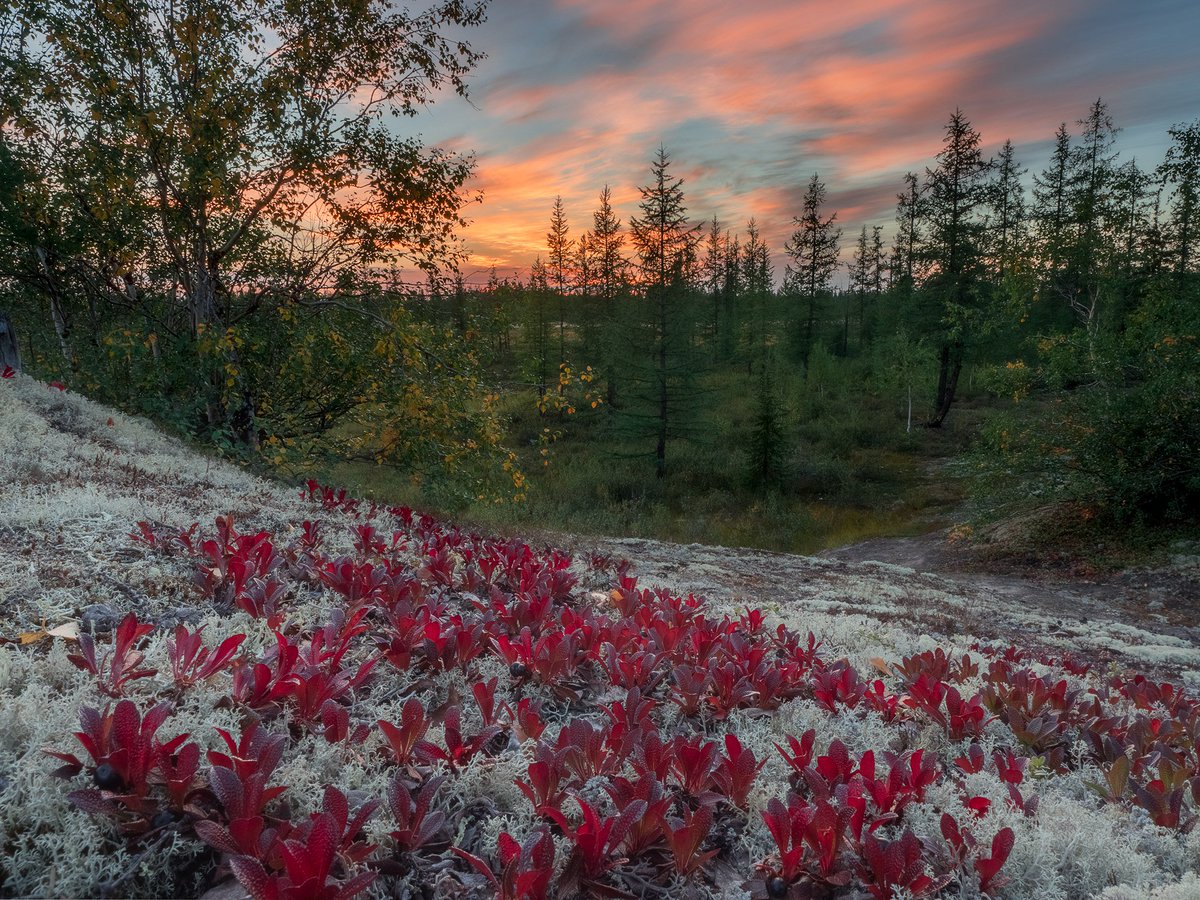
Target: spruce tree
(767,446)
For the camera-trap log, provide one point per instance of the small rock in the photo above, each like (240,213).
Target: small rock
(1154,604)
(99,617)
(226,890)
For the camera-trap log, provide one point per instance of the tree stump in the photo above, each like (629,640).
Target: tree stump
(9,354)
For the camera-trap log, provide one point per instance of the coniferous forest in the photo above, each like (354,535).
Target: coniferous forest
(327,550)
(1010,341)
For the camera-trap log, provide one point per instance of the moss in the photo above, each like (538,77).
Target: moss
(84,483)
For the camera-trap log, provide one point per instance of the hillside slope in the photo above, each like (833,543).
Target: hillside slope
(77,478)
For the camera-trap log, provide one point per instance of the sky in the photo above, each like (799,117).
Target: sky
(752,98)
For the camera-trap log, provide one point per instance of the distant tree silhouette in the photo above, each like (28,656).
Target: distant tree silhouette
(1005,202)
(1181,171)
(813,249)
(909,212)
(610,274)
(665,243)
(558,263)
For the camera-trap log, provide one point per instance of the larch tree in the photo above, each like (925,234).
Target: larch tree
(584,265)
(866,280)
(665,242)
(734,284)
(953,247)
(860,271)
(879,262)
(813,249)
(1005,205)
(909,213)
(714,258)
(1180,173)
(610,273)
(584,285)
(756,286)
(537,333)
(714,272)
(1131,210)
(731,295)
(1051,204)
(767,442)
(607,242)
(1089,185)
(558,265)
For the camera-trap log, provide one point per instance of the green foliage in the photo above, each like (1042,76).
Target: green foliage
(1111,421)
(661,385)
(199,204)
(766,450)
(813,250)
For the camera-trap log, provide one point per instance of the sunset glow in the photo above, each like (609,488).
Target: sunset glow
(752,99)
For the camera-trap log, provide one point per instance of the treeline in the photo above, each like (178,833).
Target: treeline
(1065,288)
(210,232)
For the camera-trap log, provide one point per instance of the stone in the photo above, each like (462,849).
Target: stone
(226,890)
(100,617)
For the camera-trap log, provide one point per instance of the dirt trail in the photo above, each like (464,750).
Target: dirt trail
(1168,597)
(1145,618)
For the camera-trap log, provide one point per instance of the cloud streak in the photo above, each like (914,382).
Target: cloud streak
(752,98)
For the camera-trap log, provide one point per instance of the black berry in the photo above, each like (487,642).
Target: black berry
(518,670)
(106,778)
(777,887)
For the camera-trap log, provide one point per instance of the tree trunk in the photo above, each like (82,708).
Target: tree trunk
(949,371)
(10,354)
(660,451)
(203,298)
(58,313)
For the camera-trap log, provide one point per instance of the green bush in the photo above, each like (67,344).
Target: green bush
(1109,420)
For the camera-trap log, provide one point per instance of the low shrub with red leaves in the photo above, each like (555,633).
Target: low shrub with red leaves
(443,661)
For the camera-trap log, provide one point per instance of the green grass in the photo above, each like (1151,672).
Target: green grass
(853,473)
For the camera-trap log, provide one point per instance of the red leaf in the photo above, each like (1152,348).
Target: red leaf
(254,878)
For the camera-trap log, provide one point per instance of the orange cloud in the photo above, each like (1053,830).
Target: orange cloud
(751,99)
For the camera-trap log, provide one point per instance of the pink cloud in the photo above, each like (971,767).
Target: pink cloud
(751,99)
